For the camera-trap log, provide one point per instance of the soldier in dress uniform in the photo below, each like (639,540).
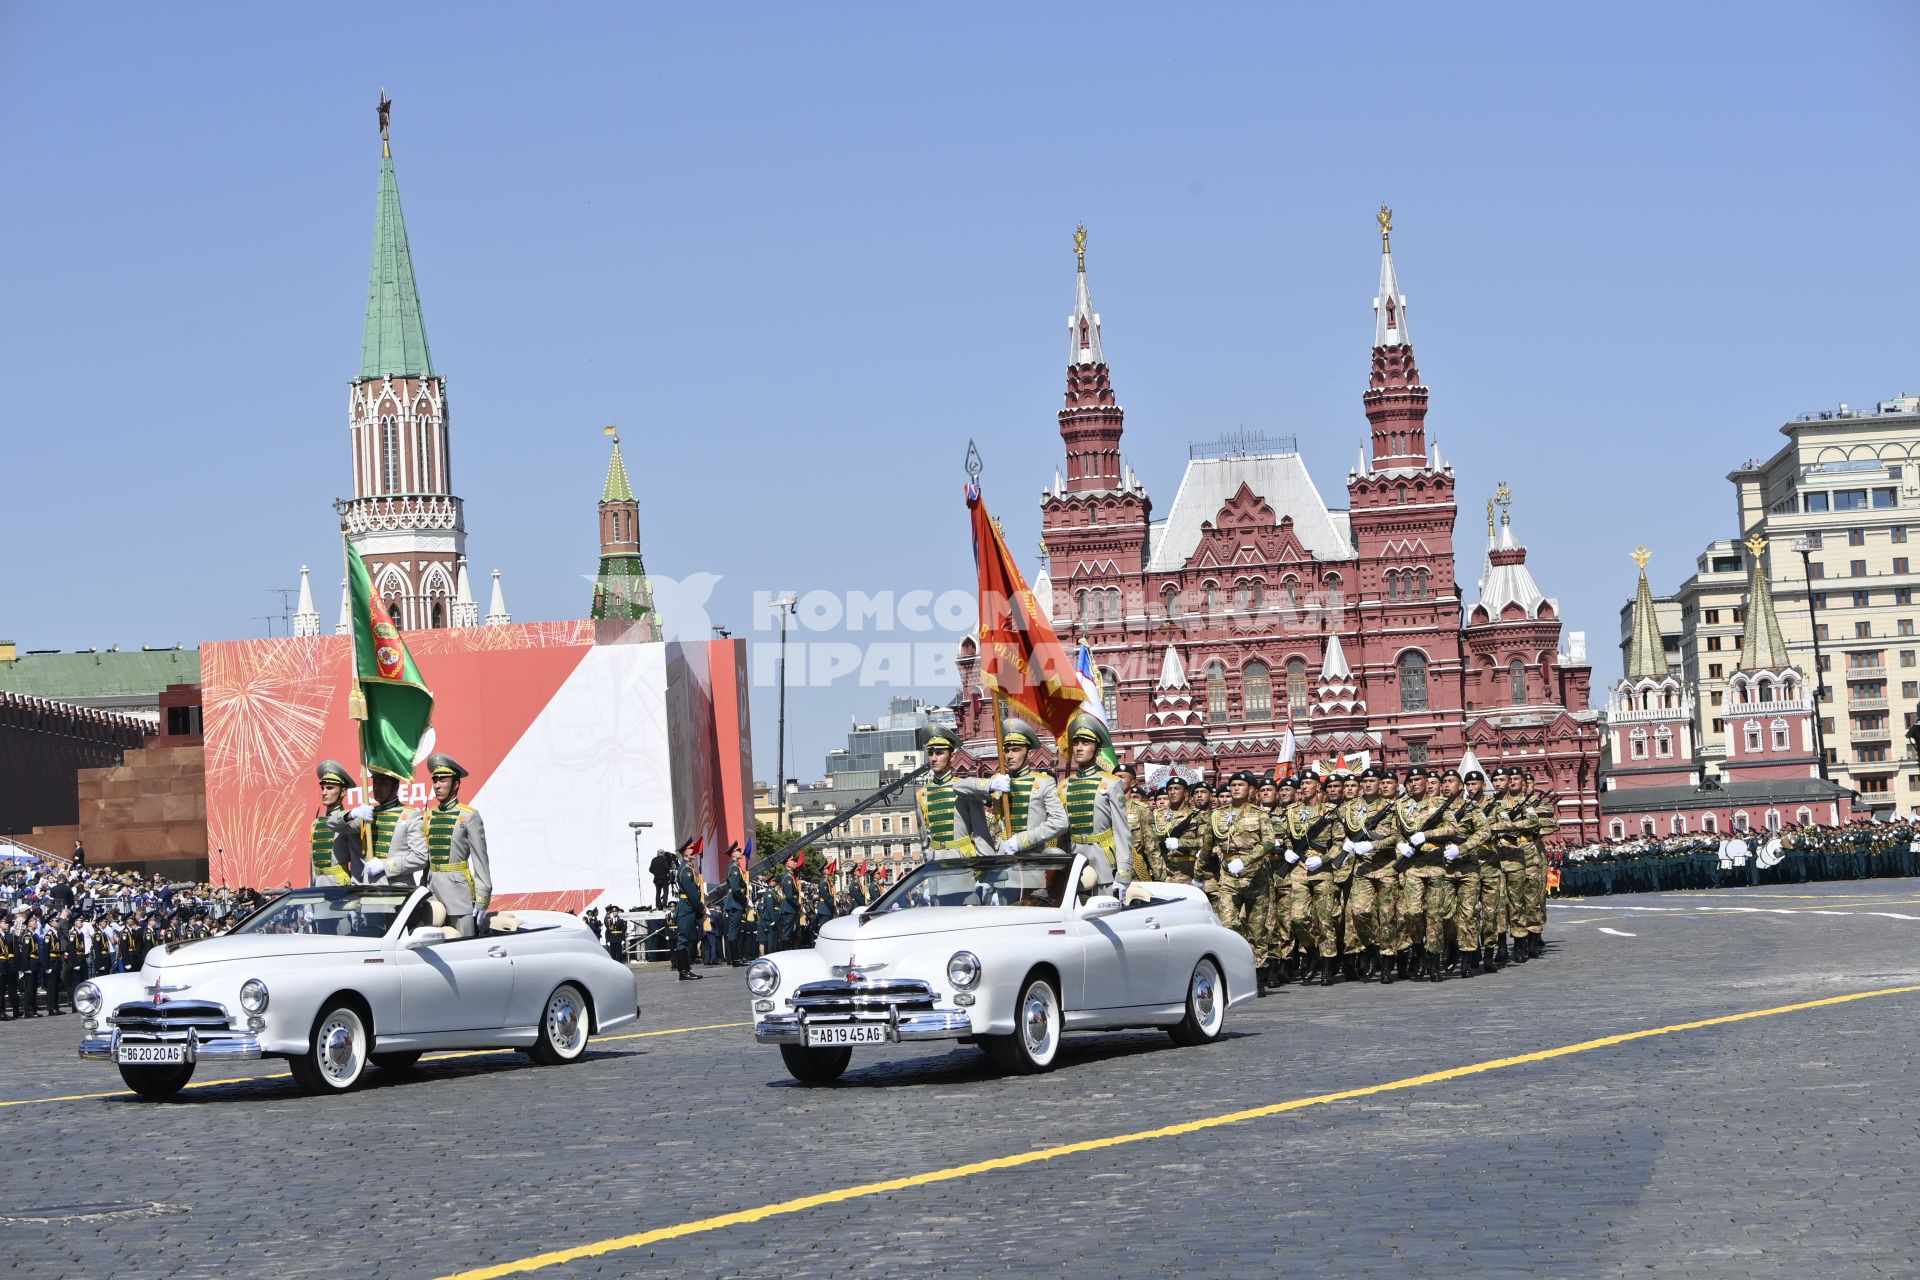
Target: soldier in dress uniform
(1426,907)
(1203,796)
(1038,817)
(616,934)
(1465,856)
(1519,827)
(9,973)
(688,912)
(383,830)
(1373,902)
(454,853)
(788,908)
(952,828)
(1177,839)
(733,908)
(1235,860)
(1096,803)
(1307,834)
(1279,905)
(336,853)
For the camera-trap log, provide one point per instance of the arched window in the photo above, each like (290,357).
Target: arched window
(1740,821)
(1750,732)
(1773,820)
(389,455)
(1213,599)
(1676,825)
(1170,597)
(1763,690)
(1331,584)
(1710,824)
(1637,744)
(1217,692)
(1420,589)
(1393,584)
(1242,596)
(1413,681)
(1616,829)
(1297,683)
(1780,742)
(1646,827)
(1663,742)
(616,526)
(1082,607)
(1110,695)
(1256,691)
(1517,682)
(1803,816)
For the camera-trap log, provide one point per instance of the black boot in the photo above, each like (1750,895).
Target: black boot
(1329,970)
(1500,956)
(1388,963)
(1437,967)
(1469,963)
(1522,948)
(1260,981)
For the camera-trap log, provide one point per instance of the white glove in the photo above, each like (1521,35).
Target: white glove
(1292,857)
(1314,862)
(1235,867)
(1451,852)
(1404,849)
(375,867)
(999,784)
(1417,839)
(363,814)
(1348,846)
(1009,846)
(1364,848)
(1173,845)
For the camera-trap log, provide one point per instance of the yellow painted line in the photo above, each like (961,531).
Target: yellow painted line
(432,1057)
(801,1204)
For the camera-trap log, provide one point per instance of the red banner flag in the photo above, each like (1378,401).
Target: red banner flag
(1021,658)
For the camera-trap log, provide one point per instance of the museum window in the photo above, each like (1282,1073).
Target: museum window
(1616,829)
(1773,820)
(1751,735)
(1256,691)
(1217,692)
(1110,694)
(1710,824)
(1646,827)
(1663,743)
(1740,821)
(1803,816)
(1170,597)
(1637,744)
(1212,590)
(1297,683)
(1416,753)
(1517,681)
(1676,825)
(1413,681)
(1779,729)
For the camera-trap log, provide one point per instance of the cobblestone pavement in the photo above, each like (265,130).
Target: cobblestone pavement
(1777,1146)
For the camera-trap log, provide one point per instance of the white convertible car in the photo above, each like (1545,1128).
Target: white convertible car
(340,977)
(1006,952)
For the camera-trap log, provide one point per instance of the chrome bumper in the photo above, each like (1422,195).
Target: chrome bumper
(235,1048)
(939,1024)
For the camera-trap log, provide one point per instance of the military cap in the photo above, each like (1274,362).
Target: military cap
(1416,771)
(1086,728)
(1175,779)
(1244,775)
(333,771)
(1126,767)
(1201,784)
(1289,783)
(1374,771)
(1019,732)
(1473,775)
(442,765)
(930,736)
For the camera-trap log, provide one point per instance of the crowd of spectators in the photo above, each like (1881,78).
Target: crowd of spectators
(1645,864)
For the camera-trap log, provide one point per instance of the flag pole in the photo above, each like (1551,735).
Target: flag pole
(1000,746)
(356,698)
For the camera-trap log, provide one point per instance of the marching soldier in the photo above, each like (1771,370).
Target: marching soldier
(1235,858)
(1139,823)
(454,852)
(335,851)
(1286,793)
(1425,905)
(1177,838)
(1373,902)
(1473,888)
(952,829)
(382,830)
(1096,806)
(1316,879)
(1033,799)
(1525,821)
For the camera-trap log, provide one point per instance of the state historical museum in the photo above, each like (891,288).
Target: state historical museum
(1253,607)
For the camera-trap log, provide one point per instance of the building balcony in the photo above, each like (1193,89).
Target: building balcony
(1876,672)
(1873,733)
(1877,702)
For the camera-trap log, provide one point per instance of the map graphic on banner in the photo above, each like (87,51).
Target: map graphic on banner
(567,743)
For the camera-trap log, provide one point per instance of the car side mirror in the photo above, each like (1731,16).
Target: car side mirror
(860,911)
(1104,905)
(425,936)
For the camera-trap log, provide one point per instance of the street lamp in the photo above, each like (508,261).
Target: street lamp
(788,604)
(638,827)
(1804,545)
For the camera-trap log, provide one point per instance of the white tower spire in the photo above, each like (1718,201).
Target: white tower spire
(1390,306)
(466,613)
(1083,326)
(306,619)
(345,626)
(497,615)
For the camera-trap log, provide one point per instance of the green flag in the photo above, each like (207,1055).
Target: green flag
(389,699)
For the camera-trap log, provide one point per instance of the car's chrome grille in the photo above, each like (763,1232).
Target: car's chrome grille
(143,1017)
(828,999)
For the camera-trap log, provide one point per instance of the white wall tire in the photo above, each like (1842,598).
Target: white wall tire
(1206,1006)
(564,1025)
(337,1052)
(1035,1041)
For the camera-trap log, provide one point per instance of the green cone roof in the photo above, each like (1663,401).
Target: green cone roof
(617,490)
(1762,646)
(1647,656)
(396,338)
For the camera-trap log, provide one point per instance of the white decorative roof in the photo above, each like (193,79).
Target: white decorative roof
(497,614)
(345,625)
(1470,763)
(1280,479)
(1083,326)
(1389,307)
(306,619)
(1043,594)
(1173,672)
(1508,581)
(1334,665)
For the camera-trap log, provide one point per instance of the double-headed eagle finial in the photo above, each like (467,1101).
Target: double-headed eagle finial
(1080,245)
(1640,557)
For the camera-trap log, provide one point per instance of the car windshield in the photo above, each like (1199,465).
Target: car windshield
(345,911)
(980,882)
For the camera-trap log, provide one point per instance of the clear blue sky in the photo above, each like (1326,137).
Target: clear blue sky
(802,253)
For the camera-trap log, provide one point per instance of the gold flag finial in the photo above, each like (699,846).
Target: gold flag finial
(1640,557)
(1043,553)
(1757,544)
(386,118)
(1385,219)
(1080,245)
(612,433)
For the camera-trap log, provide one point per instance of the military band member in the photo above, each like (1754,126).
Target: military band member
(1096,806)
(952,829)
(336,853)
(453,855)
(1038,817)
(383,830)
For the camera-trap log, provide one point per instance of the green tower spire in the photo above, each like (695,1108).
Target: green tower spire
(396,338)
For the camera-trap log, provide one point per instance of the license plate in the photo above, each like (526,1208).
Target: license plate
(153,1054)
(846,1033)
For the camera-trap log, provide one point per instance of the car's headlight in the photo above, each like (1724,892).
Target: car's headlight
(763,977)
(86,998)
(253,996)
(963,970)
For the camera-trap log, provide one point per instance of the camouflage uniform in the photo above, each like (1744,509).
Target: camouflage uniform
(1239,832)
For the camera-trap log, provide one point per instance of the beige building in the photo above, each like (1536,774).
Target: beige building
(1837,505)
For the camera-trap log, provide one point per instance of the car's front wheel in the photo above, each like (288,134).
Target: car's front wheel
(815,1066)
(563,1027)
(336,1055)
(156,1082)
(1035,1041)
(1206,1006)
